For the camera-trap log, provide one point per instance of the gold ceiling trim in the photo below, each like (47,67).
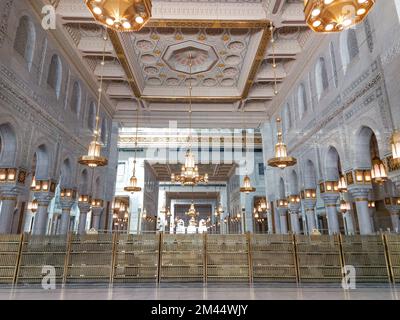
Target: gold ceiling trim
(213,24)
(201,139)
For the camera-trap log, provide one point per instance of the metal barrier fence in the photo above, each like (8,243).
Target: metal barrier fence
(123,258)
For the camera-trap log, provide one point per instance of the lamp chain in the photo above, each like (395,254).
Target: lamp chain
(97,135)
(272,28)
(190,101)
(136,137)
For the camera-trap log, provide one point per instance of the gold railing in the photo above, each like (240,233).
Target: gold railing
(122,258)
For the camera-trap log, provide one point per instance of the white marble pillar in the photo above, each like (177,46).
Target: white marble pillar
(269,222)
(66,206)
(84,208)
(96,215)
(331,202)
(283,220)
(348,217)
(360,197)
(41,216)
(294,217)
(8,203)
(309,207)
(394,215)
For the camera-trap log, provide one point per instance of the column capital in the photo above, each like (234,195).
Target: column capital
(394,210)
(84,207)
(309,204)
(43,198)
(360,192)
(330,198)
(96,211)
(282,211)
(10,192)
(66,204)
(294,207)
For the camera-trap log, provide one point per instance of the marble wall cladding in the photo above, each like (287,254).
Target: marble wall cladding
(363,91)
(36,114)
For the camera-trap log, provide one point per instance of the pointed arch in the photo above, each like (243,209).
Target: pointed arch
(25,40)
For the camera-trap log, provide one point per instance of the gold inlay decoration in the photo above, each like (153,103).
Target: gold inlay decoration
(210,24)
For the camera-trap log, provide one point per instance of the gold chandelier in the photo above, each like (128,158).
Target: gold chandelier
(396,146)
(378,171)
(190,175)
(247,188)
(281,160)
(121,15)
(192,211)
(133,183)
(335,15)
(93,158)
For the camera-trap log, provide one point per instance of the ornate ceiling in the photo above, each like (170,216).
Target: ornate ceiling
(216,172)
(229,41)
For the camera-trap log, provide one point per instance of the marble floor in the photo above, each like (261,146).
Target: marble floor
(202,292)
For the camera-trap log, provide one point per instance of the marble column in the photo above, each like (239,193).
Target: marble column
(394,215)
(84,208)
(348,216)
(331,201)
(269,222)
(309,207)
(96,215)
(360,197)
(294,217)
(283,220)
(8,196)
(41,215)
(66,206)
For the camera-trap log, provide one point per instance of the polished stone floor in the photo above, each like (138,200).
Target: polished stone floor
(202,292)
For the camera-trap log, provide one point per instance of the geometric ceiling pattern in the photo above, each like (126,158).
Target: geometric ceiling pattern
(229,41)
(216,172)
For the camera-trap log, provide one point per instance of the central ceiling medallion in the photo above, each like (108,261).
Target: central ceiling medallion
(121,15)
(190,57)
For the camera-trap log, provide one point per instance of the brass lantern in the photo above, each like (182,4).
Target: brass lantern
(396,146)
(342,184)
(344,206)
(247,188)
(281,160)
(378,171)
(335,15)
(133,185)
(121,15)
(33,206)
(93,158)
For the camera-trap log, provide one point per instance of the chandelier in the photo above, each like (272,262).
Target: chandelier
(218,210)
(335,15)
(190,175)
(93,158)
(396,145)
(247,188)
(133,183)
(192,211)
(121,15)
(281,160)
(342,184)
(378,171)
